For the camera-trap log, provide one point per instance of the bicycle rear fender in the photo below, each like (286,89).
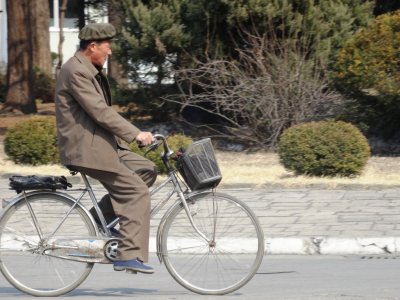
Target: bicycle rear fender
(167,214)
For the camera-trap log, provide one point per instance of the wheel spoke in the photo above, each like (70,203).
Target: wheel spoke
(23,259)
(230,258)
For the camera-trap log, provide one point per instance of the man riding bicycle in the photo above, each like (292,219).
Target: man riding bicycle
(91,135)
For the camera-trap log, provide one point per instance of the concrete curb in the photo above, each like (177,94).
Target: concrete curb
(333,245)
(317,246)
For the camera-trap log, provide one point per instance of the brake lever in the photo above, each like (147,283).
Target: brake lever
(152,146)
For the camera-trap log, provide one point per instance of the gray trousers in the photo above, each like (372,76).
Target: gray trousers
(128,198)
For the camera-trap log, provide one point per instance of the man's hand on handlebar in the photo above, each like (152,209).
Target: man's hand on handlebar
(145,138)
(153,141)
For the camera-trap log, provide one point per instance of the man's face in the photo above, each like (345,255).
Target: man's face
(100,52)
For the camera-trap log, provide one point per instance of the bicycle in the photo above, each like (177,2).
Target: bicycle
(210,242)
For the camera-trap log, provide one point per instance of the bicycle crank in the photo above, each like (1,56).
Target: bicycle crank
(110,249)
(89,250)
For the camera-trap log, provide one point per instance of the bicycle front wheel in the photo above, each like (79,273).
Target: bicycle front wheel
(25,227)
(229,257)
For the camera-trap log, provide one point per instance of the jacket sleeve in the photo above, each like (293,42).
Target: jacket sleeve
(82,88)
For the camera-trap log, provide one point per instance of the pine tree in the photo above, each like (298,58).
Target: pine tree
(150,38)
(321,25)
(168,34)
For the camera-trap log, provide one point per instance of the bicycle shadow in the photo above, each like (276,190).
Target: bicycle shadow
(8,292)
(115,292)
(11,292)
(120,292)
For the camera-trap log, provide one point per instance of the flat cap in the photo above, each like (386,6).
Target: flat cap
(97,31)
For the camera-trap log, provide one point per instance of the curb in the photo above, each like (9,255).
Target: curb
(333,245)
(316,246)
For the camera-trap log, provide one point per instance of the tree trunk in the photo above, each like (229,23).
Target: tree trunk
(40,17)
(19,68)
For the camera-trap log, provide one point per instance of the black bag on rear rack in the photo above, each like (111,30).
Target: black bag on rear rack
(199,167)
(33,182)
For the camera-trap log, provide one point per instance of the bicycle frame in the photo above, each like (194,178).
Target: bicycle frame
(172,178)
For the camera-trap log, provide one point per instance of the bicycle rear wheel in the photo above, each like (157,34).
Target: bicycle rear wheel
(22,258)
(230,257)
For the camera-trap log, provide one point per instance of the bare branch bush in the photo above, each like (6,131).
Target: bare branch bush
(276,82)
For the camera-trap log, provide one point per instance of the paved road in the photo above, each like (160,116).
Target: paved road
(312,221)
(297,277)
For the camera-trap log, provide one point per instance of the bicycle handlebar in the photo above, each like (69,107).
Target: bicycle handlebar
(159,139)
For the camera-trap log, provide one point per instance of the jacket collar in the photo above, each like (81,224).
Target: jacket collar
(86,62)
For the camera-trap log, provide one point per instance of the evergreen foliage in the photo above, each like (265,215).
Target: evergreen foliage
(170,34)
(371,58)
(325,23)
(325,148)
(151,35)
(367,70)
(33,141)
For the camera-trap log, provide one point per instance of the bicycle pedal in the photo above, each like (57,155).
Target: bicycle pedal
(131,271)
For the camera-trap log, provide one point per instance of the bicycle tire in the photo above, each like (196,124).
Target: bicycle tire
(226,263)
(22,261)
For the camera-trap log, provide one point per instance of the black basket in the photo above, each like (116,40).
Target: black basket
(199,167)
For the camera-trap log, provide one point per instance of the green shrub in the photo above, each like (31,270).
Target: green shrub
(369,61)
(367,70)
(174,141)
(33,141)
(325,148)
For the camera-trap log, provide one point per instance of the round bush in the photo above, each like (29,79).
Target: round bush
(174,141)
(325,148)
(33,141)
